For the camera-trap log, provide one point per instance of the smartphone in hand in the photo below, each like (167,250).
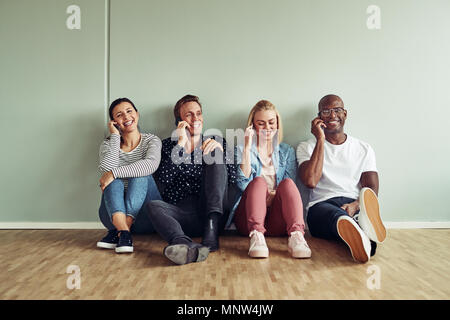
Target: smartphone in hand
(118,128)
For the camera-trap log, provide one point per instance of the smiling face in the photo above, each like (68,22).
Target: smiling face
(126,117)
(191,112)
(265,124)
(335,120)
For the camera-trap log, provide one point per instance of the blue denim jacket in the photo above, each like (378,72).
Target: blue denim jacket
(284,161)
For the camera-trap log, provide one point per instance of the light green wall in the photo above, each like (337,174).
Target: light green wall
(231,53)
(52,110)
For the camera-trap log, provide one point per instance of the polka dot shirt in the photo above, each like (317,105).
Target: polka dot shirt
(182,177)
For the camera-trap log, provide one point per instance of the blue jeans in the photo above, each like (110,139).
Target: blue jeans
(130,202)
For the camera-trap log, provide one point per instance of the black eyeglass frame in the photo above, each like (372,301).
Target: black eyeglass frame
(332,109)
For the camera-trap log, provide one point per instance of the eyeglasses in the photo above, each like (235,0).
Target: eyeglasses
(327,112)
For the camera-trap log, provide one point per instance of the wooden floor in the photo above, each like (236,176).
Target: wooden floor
(411,264)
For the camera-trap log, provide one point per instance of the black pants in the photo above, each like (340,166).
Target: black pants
(177,223)
(323,216)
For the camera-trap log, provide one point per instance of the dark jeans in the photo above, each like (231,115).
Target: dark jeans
(323,216)
(131,202)
(177,223)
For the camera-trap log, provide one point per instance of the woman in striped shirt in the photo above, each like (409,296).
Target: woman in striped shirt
(128,159)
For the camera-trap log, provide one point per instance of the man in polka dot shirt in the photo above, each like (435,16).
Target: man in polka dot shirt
(193,179)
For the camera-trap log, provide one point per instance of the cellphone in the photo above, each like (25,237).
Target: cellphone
(118,128)
(178,120)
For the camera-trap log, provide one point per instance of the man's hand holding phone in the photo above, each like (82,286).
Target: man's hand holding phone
(317,126)
(183,133)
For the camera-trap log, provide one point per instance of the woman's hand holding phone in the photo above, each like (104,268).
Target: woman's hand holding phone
(113,127)
(246,157)
(249,133)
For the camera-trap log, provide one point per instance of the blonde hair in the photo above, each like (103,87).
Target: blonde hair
(265,105)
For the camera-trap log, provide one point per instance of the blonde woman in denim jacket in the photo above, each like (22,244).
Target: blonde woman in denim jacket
(270,202)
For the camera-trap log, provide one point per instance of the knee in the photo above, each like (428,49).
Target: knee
(138,179)
(258,182)
(288,186)
(116,183)
(214,163)
(287,183)
(155,207)
(139,182)
(217,154)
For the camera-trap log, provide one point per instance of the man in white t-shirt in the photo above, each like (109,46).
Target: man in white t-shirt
(341,172)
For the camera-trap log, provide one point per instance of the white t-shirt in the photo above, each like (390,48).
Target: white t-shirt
(342,168)
(268,172)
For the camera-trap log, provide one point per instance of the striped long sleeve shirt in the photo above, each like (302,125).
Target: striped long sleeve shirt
(140,162)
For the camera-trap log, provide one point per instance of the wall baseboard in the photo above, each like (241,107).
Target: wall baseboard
(51,225)
(417,225)
(99,225)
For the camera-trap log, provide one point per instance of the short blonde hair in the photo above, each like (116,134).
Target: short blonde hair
(264,105)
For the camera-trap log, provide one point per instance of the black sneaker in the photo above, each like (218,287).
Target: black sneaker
(373,248)
(186,253)
(109,241)
(125,244)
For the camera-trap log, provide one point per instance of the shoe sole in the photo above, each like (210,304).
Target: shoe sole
(352,238)
(371,207)
(124,249)
(258,254)
(299,255)
(106,245)
(182,254)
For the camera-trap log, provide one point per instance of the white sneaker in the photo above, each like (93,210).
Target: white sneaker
(355,238)
(297,245)
(369,216)
(258,247)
